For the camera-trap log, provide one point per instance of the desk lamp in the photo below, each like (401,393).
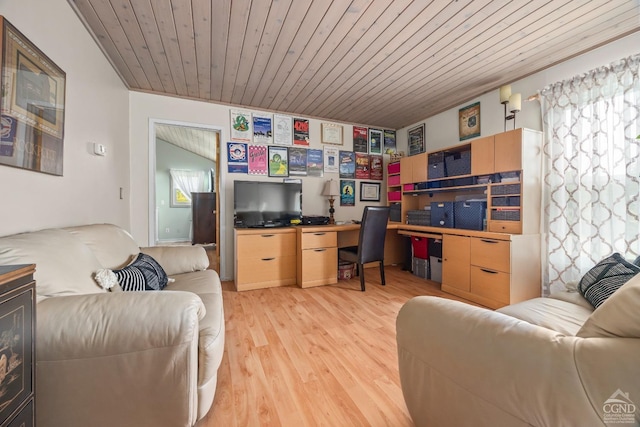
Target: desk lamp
(331,189)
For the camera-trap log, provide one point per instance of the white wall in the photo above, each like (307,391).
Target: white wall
(441,130)
(144,107)
(96,109)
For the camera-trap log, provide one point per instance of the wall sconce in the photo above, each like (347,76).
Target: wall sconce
(331,189)
(515,104)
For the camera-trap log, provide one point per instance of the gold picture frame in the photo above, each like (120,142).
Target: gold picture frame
(331,133)
(31,105)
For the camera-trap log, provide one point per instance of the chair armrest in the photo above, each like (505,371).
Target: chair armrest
(98,325)
(127,358)
(510,364)
(179,259)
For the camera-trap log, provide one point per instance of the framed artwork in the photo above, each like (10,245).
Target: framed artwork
(331,133)
(369,191)
(241,125)
(362,166)
(347,162)
(237,161)
(360,139)
(389,141)
(375,141)
(278,161)
(32,105)
(282,129)
(297,161)
(469,121)
(178,198)
(262,128)
(415,137)
(331,159)
(347,193)
(300,131)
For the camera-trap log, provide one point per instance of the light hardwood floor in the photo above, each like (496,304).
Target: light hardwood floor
(318,356)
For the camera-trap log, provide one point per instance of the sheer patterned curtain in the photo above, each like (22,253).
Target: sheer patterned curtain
(591,170)
(189,181)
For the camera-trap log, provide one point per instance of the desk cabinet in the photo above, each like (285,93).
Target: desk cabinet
(17,347)
(456,262)
(265,258)
(318,258)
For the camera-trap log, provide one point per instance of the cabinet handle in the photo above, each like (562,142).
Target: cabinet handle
(268,259)
(267,235)
(319,250)
(488,241)
(488,271)
(319,234)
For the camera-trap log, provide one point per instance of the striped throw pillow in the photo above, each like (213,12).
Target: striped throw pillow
(605,278)
(143,274)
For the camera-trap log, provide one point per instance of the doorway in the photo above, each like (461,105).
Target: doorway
(184,164)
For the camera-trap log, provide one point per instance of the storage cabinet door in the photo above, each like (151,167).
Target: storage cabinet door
(456,262)
(406,174)
(482,156)
(419,167)
(508,151)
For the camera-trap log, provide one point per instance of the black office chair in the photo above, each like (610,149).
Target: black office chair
(373,230)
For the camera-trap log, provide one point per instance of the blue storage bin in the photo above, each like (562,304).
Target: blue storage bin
(442,214)
(458,163)
(436,166)
(470,215)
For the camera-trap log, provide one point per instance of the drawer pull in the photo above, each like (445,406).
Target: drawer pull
(267,235)
(319,234)
(489,271)
(488,241)
(319,250)
(268,259)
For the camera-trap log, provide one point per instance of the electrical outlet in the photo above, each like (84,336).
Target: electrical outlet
(167,230)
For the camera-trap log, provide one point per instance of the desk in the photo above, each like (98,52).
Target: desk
(317,247)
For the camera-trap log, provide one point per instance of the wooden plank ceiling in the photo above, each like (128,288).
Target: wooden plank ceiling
(199,141)
(371,62)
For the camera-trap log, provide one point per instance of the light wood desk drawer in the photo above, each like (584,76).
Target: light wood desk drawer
(491,254)
(265,245)
(511,227)
(319,267)
(271,270)
(490,284)
(319,239)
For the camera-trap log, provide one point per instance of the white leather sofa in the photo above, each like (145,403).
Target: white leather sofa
(543,362)
(120,358)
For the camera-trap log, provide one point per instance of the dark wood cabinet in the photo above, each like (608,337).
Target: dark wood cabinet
(17,345)
(203,208)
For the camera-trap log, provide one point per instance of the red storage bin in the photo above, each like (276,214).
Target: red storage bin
(393,180)
(408,187)
(393,167)
(419,247)
(394,196)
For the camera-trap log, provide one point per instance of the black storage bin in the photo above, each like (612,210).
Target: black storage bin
(458,163)
(436,167)
(395,212)
(434,248)
(470,215)
(442,214)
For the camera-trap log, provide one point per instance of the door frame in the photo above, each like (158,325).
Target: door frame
(220,215)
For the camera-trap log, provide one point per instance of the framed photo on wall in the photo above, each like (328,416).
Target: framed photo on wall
(278,161)
(178,198)
(415,137)
(369,191)
(469,121)
(32,105)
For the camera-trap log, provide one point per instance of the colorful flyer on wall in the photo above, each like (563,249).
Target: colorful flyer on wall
(347,164)
(237,161)
(241,125)
(362,166)
(314,163)
(389,141)
(331,159)
(297,161)
(262,128)
(376,167)
(278,161)
(375,141)
(282,129)
(360,140)
(347,193)
(257,159)
(301,131)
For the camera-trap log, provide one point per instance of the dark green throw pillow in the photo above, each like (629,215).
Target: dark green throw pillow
(605,278)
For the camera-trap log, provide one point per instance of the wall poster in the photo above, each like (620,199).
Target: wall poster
(301,131)
(347,193)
